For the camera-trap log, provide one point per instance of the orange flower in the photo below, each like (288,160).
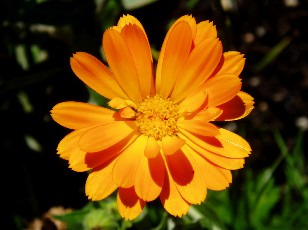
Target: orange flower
(159,141)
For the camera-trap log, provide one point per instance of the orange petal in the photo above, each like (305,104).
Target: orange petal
(139,48)
(96,75)
(233,139)
(221,89)
(77,115)
(100,184)
(68,149)
(127,112)
(149,179)
(232,63)
(121,63)
(77,161)
(171,199)
(215,178)
(180,168)
(198,127)
(129,204)
(152,148)
(226,144)
(171,144)
(70,142)
(129,19)
(106,135)
(205,30)
(97,158)
(208,114)
(199,66)
(188,181)
(222,161)
(238,107)
(193,103)
(174,52)
(119,103)
(124,170)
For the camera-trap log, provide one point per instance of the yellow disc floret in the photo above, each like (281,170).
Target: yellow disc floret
(157,117)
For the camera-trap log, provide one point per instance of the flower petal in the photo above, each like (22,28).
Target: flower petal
(171,144)
(96,75)
(193,103)
(232,63)
(233,139)
(199,66)
(149,179)
(205,30)
(68,149)
(238,107)
(119,103)
(139,48)
(95,159)
(121,63)
(104,136)
(124,170)
(129,19)
(171,199)
(215,178)
(222,88)
(152,148)
(77,161)
(129,204)
(226,144)
(187,177)
(198,127)
(77,115)
(174,52)
(69,143)
(208,114)
(222,161)
(100,184)
(180,168)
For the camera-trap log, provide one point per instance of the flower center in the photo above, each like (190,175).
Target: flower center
(157,117)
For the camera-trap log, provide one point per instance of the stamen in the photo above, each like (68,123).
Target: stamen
(157,117)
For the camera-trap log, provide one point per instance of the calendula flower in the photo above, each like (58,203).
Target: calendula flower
(158,140)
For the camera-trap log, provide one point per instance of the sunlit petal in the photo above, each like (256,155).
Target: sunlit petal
(205,30)
(77,115)
(175,51)
(221,89)
(171,144)
(199,127)
(124,170)
(238,107)
(149,178)
(193,103)
(104,136)
(96,75)
(226,144)
(152,148)
(199,66)
(232,62)
(100,184)
(188,179)
(129,204)
(122,63)
(215,178)
(139,48)
(171,199)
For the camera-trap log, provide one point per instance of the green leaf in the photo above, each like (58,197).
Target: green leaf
(272,54)
(133,4)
